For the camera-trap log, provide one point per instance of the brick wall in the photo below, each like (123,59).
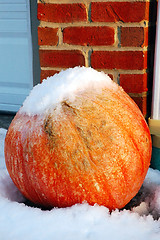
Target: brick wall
(115,36)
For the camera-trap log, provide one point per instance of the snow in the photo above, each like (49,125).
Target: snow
(64,85)
(2,134)
(81,222)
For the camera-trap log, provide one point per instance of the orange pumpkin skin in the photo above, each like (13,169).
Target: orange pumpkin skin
(95,149)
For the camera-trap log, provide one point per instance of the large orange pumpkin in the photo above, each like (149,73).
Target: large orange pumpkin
(92,147)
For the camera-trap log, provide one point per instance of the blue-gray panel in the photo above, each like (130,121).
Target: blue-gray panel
(12,1)
(13,7)
(15,53)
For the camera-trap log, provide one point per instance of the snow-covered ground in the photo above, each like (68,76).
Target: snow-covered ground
(79,222)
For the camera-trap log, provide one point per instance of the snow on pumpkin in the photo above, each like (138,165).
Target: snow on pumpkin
(78,138)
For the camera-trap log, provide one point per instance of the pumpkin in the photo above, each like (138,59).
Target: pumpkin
(88,143)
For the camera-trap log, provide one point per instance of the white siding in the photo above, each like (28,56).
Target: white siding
(16,78)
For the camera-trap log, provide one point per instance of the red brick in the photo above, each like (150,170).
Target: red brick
(119,11)
(61,58)
(134,36)
(138,36)
(119,60)
(47,73)
(141,103)
(89,36)
(62,12)
(47,36)
(134,83)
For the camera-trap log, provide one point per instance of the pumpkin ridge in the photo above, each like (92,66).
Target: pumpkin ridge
(112,199)
(127,130)
(95,102)
(8,151)
(34,180)
(131,109)
(20,165)
(17,181)
(33,192)
(81,137)
(118,121)
(77,128)
(127,101)
(123,169)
